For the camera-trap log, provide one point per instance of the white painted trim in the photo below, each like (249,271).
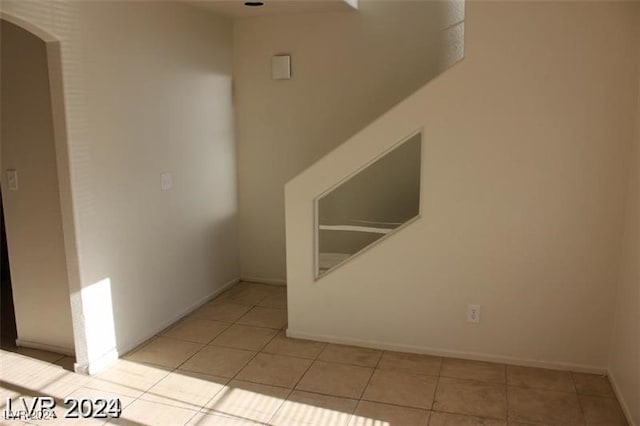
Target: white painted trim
(65,190)
(579,368)
(355,228)
(94,366)
(186,312)
(26,25)
(623,402)
(262,280)
(97,365)
(45,347)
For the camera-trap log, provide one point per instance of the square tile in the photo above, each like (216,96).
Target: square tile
(283,345)
(38,354)
(473,370)
(94,394)
(265,317)
(277,370)
(374,414)
(8,392)
(593,384)
(151,413)
(278,301)
(127,378)
(470,397)
(60,411)
(250,401)
(348,381)
(540,378)
(350,355)
(21,369)
(218,361)
(401,388)
(447,419)
(185,389)
(54,381)
(245,293)
(304,408)
(68,363)
(216,419)
(416,363)
(220,311)
(602,411)
(543,406)
(245,337)
(196,330)
(165,352)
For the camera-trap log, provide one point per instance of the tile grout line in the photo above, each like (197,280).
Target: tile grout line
(254,357)
(506,393)
(200,410)
(296,385)
(176,369)
(243,367)
(373,371)
(575,388)
(435,391)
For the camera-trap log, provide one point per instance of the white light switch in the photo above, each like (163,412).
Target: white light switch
(12,180)
(281,67)
(165,181)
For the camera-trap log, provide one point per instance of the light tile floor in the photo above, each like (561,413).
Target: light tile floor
(229,363)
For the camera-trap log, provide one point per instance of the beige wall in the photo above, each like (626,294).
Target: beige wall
(33,215)
(523,197)
(625,343)
(147,90)
(348,68)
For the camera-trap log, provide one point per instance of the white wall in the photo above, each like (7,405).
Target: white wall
(523,197)
(147,90)
(33,215)
(625,344)
(348,68)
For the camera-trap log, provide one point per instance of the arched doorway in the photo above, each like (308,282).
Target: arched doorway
(33,149)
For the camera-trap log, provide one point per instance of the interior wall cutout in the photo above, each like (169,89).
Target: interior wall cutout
(369,205)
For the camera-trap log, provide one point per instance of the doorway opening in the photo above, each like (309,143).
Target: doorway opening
(8,331)
(36,312)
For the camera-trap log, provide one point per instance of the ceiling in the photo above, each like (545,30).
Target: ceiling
(237,9)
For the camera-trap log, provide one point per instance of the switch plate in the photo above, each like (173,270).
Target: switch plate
(12,180)
(166,183)
(281,67)
(473,313)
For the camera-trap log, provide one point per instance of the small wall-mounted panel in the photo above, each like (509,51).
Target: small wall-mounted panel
(281,67)
(12,180)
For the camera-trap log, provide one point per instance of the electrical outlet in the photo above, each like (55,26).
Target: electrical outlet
(473,313)
(166,182)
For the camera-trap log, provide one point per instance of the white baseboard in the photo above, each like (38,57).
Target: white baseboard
(181,315)
(97,365)
(262,280)
(94,366)
(45,347)
(447,353)
(623,402)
